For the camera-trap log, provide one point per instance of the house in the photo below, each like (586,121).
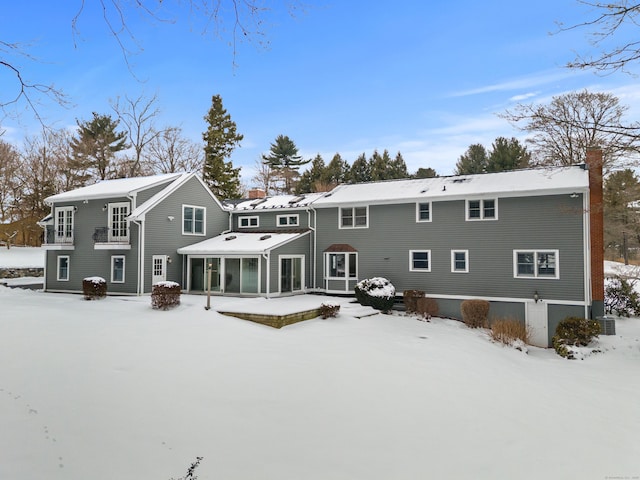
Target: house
(127,231)
(528,241)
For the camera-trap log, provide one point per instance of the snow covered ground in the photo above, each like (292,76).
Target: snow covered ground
(112,389)
(21,257)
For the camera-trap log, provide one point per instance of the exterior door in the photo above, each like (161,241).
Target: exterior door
(158,269)
(290,274)
(537,323)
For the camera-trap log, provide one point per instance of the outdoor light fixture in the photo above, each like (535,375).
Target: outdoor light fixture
(171,218)
(574,195)
(104,208)
(536,296)
(169,259)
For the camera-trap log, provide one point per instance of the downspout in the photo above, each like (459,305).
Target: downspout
(267,257)
(140,224)
(312,242)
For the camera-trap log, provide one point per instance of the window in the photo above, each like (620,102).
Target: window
(459,261)
(354,217)
(64,224)
(117,269)
(342,265)
(535,264)
(193,222)
(63,268)
(423,212)
(118,224)
(420,260)
(288,220)
(482,209)
(249,222)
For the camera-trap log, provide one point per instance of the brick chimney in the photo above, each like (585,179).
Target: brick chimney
(596,221)
(255,193)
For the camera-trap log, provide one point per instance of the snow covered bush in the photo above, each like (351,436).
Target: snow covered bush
(574,332)
(165,295)
(410,298)
(427,307)
(475,313)
(377,292)
(510,332)
(329,310)
(621,297)
(94,288)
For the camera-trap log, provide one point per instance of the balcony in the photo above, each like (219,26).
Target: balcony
(105,238)
(58,239)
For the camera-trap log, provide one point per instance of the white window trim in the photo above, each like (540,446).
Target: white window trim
(418,219)
(535,264)
(110,236)
(58,268)
(347,272)
(248,219)
(302,272)
(411,269)
(193,221)
(288,217)
(124,268)
(56,223)
(482,217)
(353,212)
(453,261)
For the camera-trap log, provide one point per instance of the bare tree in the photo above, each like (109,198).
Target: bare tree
(264,177)
(608,25)
(170,152)
(563,129)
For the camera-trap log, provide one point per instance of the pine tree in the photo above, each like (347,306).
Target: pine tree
(283,158)
(314,174)
(337,171)
(379,165)
(95,147)
(473,161)
(397,168)
(360,170)
(425,173)
(507,154)
(220,140)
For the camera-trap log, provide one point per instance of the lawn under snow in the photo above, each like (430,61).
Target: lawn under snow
(112,389)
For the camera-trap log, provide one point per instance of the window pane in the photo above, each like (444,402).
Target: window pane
(188,220)
(459,261)
(424,211)
(63,268)
(474,209)
(353,269)
(336,265)
(361,217)
(420,260)
(282,221)
(249,275)
(346,217)
(489,209)
(525,263)
(547,264)
(118,269)
(293,220)
(198,226)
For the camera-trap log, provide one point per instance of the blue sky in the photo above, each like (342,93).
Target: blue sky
(423,78)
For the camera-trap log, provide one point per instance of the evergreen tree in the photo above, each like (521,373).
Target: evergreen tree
(336,172)
(425,173)
(397,168)
(621,193)
(360,170)
(379,165)
(507,154)
(310,177)
(473,161)
(283,158)
(220,140)
(95,147)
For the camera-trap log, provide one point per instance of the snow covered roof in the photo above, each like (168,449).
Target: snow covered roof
(540,181)
(239,243)
(277,202)
(112,188)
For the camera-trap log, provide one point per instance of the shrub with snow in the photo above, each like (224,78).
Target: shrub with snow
(328,310)
(377,292)
(165,295)
(574,332)
(94,288)
(621,297)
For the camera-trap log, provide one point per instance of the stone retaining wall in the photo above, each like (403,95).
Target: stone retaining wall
(21,272)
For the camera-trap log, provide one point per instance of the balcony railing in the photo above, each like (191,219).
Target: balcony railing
(108,235)
(55,237)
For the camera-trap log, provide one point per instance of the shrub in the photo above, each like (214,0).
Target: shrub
(427,307)
(574,332)
(509,331)
(410,298)
(94,288)
(165,295)
(621,298)
(329,310)
(376,292)
(475,313)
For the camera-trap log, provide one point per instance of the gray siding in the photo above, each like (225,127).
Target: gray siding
(84,259)
(550,222)
(164,237)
